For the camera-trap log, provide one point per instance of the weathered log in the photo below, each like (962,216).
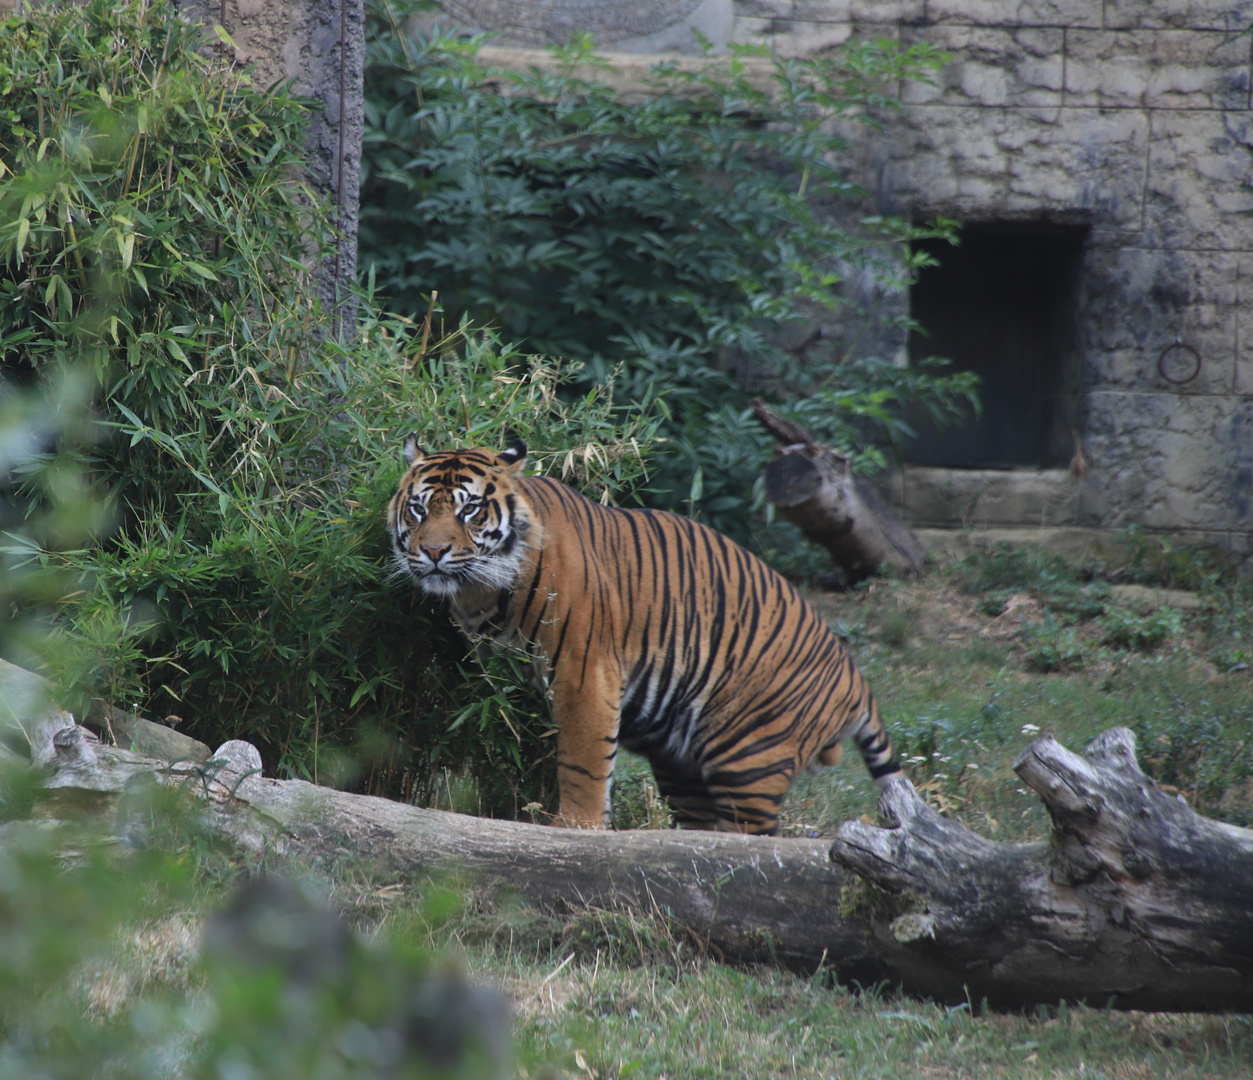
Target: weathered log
(1136,899)
(745,897)
(816,489)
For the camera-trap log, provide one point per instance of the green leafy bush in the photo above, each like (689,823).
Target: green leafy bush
(1143,633)
(1053,646)
(1058,585)
(246,457)
(114,963)
(1165,562)
(1203,752)
(153,227)
(677,233)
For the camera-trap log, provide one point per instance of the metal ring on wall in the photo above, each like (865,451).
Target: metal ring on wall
(1194,364)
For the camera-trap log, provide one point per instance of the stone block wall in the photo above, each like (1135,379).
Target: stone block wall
(1132,118)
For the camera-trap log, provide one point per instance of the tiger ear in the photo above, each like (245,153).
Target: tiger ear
(413,452)
(515,457)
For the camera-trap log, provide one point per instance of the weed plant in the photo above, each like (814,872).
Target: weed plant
(1051,646)
(107,969)
(1147,559)
(1143,633)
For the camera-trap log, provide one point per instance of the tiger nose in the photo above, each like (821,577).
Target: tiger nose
(435,553)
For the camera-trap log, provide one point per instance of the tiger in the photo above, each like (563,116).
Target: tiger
(652,632)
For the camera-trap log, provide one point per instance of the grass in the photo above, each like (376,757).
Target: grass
(953,660)
(599,1020)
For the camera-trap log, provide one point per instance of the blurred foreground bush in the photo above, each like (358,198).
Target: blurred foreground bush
(129,959)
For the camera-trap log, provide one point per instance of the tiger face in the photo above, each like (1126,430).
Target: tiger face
(458,519)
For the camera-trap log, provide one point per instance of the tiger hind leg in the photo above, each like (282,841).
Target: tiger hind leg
(696,806)
(875,744)
(689,800)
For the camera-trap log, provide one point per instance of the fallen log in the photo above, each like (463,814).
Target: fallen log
(815,488)
(774,900)
(1136,899)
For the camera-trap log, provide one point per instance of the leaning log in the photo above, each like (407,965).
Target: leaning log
(815,488)
(1135,899)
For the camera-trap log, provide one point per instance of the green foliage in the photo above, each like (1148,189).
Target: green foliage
(64,513)
(636,801)
(245,456)
(1064,589)
(1202,749)
(1165,562)
(152,228)
(60,921)
(1007,569)
(1229,626)
(1143,633)
(1052,646)
(676,233)
(1071,594)
(100,973)
(297,994)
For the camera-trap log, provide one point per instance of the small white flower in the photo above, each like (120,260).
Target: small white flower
(1030,729)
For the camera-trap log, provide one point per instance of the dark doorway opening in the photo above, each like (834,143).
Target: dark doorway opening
(1004,304)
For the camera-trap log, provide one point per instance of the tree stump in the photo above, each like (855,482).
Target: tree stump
(816,489)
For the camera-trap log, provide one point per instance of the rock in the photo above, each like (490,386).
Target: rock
(240,756)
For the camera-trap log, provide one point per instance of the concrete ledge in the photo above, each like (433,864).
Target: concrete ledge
(1075,543)
(974,498)
(1071,543)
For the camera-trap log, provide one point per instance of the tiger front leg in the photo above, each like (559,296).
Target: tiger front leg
(586,712)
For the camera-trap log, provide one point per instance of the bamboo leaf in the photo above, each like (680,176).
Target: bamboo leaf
(199,270)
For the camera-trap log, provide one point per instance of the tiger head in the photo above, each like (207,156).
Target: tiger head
(459,518)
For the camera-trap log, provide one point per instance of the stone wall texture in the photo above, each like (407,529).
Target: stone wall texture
(318,46)
(1130,117)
